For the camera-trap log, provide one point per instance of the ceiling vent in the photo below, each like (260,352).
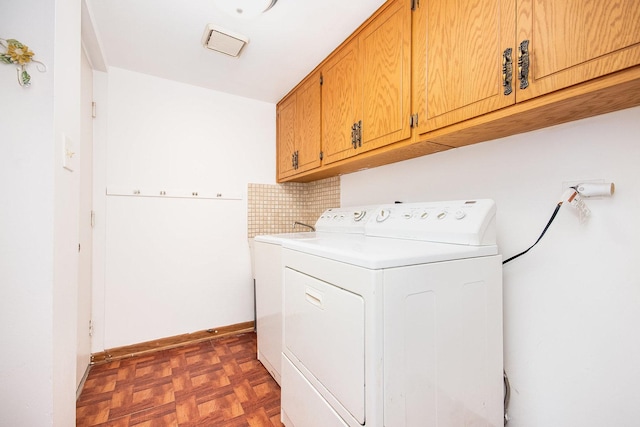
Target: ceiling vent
(221,40)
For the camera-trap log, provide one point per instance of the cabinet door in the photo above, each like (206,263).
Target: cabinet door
(458,59)
(286,121)
(385,46)
(308,129)
(341,102)
(572,41)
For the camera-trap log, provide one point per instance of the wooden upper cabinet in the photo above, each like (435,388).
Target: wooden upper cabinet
(341,102)
(385,46)
(572,41)
(298,129)
(457,71)
(458,57)
(308,129)
(366,93)
(285,142)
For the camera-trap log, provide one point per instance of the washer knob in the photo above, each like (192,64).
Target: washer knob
(359,215)
(407,215)
(460,214)
(441,215)
(383,215)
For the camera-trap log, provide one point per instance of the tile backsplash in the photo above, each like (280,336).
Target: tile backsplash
(273,209)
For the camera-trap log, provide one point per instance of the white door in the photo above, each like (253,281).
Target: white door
(85,231)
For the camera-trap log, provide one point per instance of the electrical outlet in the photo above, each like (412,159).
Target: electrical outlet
(569,184)
(592,189)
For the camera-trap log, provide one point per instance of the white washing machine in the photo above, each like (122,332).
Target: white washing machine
(399,327)
(267,266)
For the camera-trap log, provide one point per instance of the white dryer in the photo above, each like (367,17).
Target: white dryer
(399,327)
(267,266)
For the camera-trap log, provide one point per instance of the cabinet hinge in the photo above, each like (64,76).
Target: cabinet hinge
(321,155)
(415,4)
(321,79)
(93,110)
(93,219)
(413,120)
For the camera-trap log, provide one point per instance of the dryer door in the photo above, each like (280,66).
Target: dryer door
(324,337)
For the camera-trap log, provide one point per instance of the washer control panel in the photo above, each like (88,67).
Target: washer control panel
(468,222)
(345,220)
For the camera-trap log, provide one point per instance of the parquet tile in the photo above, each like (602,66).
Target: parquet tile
(215,383)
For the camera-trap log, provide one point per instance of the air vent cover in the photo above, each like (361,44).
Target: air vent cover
(224,41)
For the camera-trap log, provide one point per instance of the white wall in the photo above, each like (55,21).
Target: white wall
(26,224)
(571,305)
(38,235)
(173,266)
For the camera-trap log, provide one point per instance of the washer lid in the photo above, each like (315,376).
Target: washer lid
(379,252)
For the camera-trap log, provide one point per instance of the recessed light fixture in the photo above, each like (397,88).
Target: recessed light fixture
(224,41)
(245,8)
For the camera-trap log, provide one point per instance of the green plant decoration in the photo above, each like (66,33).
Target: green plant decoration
(18,53)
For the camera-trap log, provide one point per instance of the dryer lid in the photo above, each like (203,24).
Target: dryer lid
(380,252)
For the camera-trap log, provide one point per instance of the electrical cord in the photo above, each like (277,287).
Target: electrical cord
(507,395)
(571,195)
(553,216)
(505,379)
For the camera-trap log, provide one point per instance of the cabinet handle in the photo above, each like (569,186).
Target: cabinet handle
(359,133)
(523,65)
(507,70)
(354,132)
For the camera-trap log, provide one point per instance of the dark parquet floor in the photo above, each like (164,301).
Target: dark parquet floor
(217,383)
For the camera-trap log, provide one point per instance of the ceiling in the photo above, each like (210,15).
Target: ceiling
(163,38)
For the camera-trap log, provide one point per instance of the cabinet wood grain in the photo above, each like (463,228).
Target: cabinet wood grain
(298,129)
(367,84)
(573,41)
(341,102)
(458,51)
(385,45)
(286,122)
(308,135)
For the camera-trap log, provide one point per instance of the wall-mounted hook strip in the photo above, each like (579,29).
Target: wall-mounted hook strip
(168,193)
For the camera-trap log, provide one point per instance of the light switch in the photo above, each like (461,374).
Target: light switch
(69,155)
